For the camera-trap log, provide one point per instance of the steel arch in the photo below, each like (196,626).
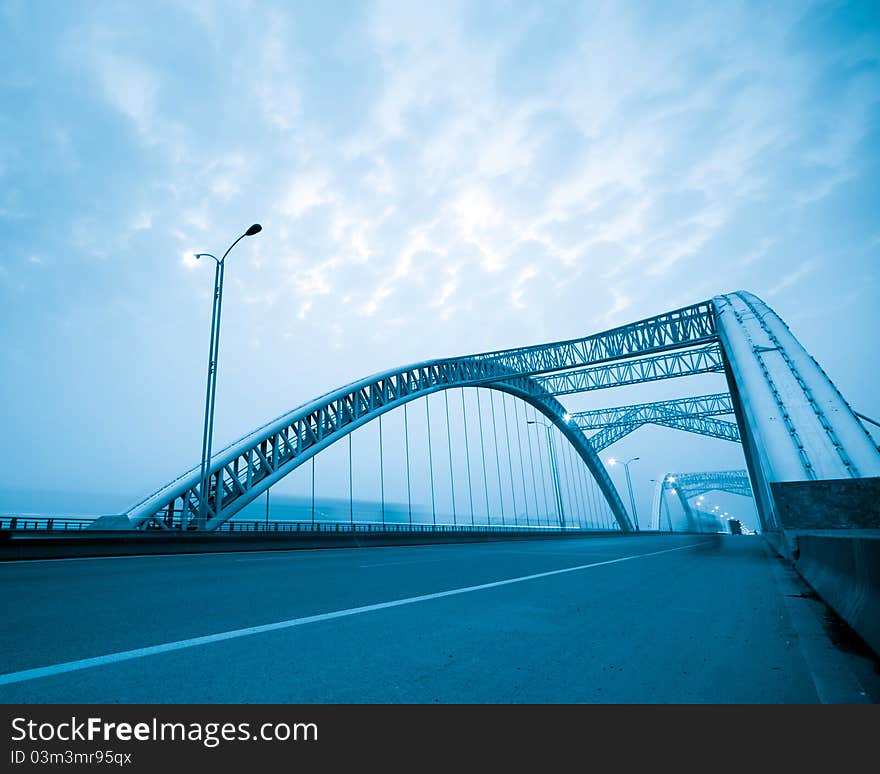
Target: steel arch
(245,469)
(686,486)
(793,423)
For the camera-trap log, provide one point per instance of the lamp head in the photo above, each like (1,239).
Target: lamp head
(255,229)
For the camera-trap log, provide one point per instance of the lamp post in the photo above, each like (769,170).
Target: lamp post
(553,468)
(211,389)
(632,499)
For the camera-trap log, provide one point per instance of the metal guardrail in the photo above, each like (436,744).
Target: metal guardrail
(44,523)
(71,523)
(299,526)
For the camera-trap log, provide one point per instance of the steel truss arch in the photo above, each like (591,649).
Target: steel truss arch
(793,423)
(668,365)
(248,467)
(686,486)
(694,414)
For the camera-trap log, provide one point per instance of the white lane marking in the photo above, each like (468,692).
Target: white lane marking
(154,650)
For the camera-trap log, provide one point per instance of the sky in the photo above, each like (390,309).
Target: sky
(432,180)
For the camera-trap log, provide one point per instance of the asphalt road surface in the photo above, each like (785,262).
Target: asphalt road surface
(647,619)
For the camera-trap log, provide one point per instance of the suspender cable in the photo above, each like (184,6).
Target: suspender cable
(532,465)
(597,514)
(483,454)
(449,446)
(467,453)
(582,492)
(408,485)
(541,462)
(563,474)
(554,456)
(585,475)
(313,492)
(579,490)
(585,496)
(509,458)
(522,465)
(430,462)
(569,484)
(382,470)
(497,458)
(605,507)
(350,486)
(578,500)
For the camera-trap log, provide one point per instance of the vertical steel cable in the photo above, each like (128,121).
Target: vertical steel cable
(497,457)
(430,462)
(585,490)
(350,486)
(382,469)
(541,463)
(483,454)
(449,446)
(532,466)
(522,463)
(408,485)
(467,453)
(509,458)
(572,491)
(577,464)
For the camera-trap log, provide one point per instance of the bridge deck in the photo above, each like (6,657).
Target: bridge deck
(655,619)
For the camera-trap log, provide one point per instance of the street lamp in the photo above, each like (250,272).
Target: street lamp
(632,499)
(554,469)
(211,390)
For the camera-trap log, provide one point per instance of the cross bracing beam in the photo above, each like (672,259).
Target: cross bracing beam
(708,426)
(245,469)
(692,414)
(685,327)
(699,360)
(716,404)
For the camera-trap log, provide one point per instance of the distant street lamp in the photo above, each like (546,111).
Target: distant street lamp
(632,499)
(211,390)
(553,468)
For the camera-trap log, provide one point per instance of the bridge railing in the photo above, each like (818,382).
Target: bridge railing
(44,523)
(305,526)
(70,523)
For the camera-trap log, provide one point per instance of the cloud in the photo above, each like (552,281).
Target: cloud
(792,277)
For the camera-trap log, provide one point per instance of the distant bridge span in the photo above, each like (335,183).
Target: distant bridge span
(793,423)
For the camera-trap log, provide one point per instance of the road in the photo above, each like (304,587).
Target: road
(647,619)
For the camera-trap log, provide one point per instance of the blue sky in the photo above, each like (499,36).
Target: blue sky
(433,179)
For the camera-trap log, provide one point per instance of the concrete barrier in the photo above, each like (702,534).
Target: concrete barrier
(843,567)
(91,543)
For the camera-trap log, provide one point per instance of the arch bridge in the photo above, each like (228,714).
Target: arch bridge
(794,425)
